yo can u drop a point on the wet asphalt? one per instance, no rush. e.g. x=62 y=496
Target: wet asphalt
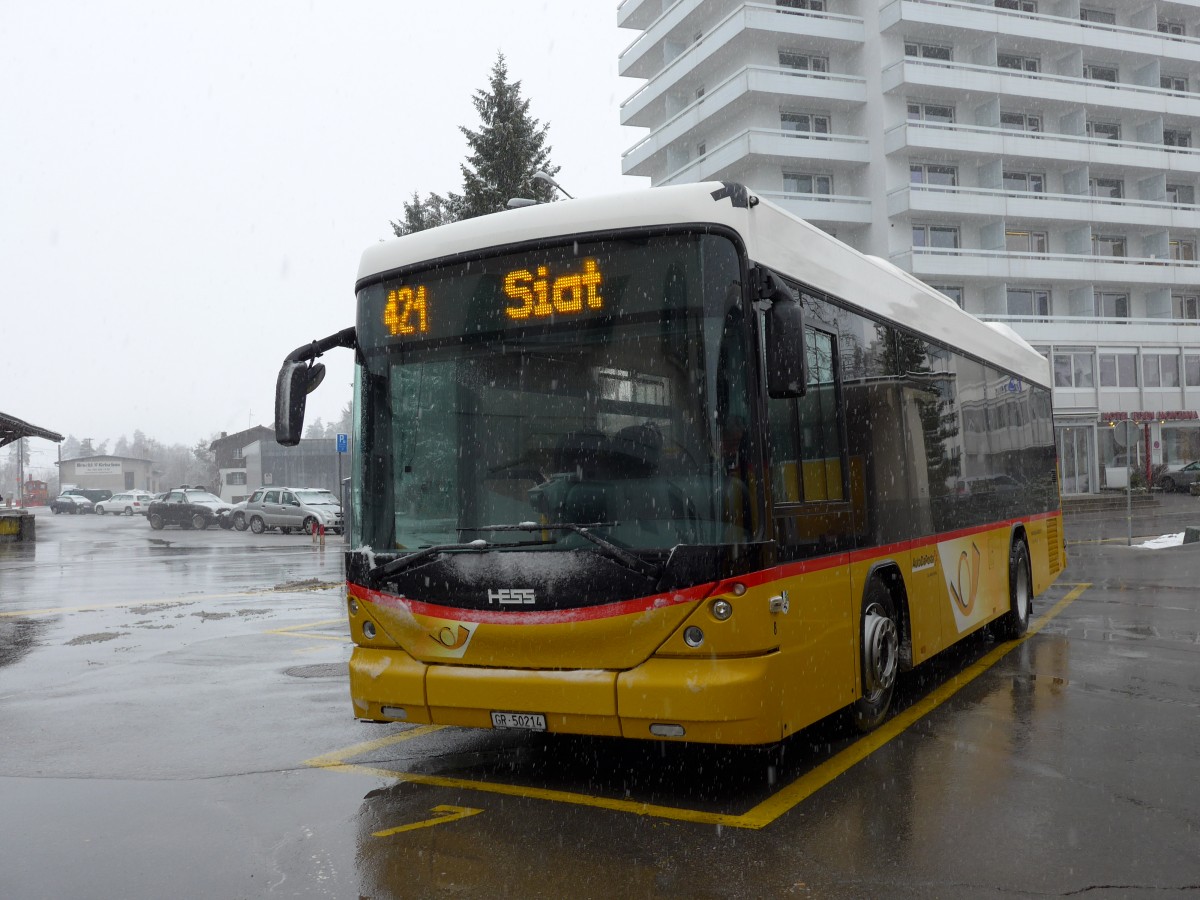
x=174 y=722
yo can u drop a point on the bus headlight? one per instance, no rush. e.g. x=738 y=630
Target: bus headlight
x=693 y=636
x=353 y=604
x=369 y=629
x=721 y=610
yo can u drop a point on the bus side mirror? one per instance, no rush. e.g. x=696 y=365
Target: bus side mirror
x=296 y=381
x=787 y=360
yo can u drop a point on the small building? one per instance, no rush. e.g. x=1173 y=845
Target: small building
x=229 y=453
x=113 y=473
x=312 y=463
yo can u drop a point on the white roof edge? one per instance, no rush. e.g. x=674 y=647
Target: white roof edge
x=773 y=237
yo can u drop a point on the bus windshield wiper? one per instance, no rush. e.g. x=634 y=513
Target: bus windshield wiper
x=376 y=575
x=611 y=550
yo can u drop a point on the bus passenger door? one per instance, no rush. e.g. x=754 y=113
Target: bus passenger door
x=814 y=525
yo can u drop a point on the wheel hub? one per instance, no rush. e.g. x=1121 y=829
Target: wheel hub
x=881 y=646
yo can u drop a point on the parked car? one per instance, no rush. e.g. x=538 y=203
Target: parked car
x=188 y=508
x=126 y=503
x=70 y=503
x=237 y=514
x=292 y=509
x=1180 y=476
x=94 y=494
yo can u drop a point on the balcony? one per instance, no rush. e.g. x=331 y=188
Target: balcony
x=751 y=84
x=734 y=38
x=823 y=209
x=1026 y=28
x=638 y=13
x=994 y=141
x=937 y=264
x=834 y=152
x=965 y=202
x=958 y=79
x=1084 y=330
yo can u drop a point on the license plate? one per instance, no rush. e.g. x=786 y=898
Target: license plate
x=528 y=721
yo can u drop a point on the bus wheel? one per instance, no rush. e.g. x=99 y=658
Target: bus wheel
x=880 y=638
x=1015 y=622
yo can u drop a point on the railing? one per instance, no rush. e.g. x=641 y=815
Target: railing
x=693 y=48
x=1090 y=320
x=1115 y=202
x=1041 y=77
x=997 y=131
x=770 y=132
x=744 y=72
x=1190 y=264
x=1123 y=30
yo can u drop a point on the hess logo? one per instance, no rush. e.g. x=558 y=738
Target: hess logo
x=512 y=596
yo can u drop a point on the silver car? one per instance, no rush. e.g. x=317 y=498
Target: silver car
x=291 y=509
x=1179 y=477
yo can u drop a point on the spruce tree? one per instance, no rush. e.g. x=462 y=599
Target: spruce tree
x=508 y=148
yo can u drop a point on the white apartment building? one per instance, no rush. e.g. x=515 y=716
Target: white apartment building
x=1036 y=160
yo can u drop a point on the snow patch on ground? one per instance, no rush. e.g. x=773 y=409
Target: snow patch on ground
x=1166 y=540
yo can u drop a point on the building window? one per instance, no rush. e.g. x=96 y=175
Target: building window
x=1105 y=131
x=1173 y=82
x=1166 y=26
x=1185 y=306
x=807 y=123
x=701 y=149
x=1112 y=305
x=1160 y=370
x=805 y=183
x=1100 y=16
x=929 y=173
x=699 y=92
x=1100 y=73
x=1016 y=61
x=803 y=62
x=928 y=51
x=953 y=291
x=1026 y=241
x=1191 y=368
x=1025 y=181
x=1176 y=137
x=1110 y=188
x=930 y=112
x=1025 y=6
x=1108 y=245
x=1118 y=369
x=940 y=236
x=1183 y=194
x=1074 y=370
x=1183 y=250
x=235 y=477
x=1028 y=302
x=1015 y=121
x=811 y=5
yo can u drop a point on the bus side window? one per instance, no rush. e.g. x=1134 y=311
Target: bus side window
x=806 y=445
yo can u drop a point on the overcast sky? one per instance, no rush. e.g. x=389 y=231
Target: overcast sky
x=186 y=188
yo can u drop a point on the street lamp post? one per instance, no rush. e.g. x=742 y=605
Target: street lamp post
x=1128 y=481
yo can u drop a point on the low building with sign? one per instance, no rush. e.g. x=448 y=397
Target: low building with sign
x=229 y=453
x=113 y=473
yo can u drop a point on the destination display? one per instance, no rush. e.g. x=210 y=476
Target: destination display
x=573 y=283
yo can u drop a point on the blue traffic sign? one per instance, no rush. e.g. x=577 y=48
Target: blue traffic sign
x=343 y=443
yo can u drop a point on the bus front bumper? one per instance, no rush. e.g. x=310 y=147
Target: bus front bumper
x=720 y=701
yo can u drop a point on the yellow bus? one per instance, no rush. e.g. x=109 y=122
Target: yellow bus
x=674 y=465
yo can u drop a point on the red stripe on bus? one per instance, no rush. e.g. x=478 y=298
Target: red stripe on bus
x=540 y=617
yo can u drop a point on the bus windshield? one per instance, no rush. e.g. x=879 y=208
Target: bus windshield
x=600 y=384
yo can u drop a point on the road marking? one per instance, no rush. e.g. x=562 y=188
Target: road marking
x=759 y=816
x=301 y=632
x=447 y=814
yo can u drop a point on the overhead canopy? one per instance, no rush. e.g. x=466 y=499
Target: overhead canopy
x=14 y=429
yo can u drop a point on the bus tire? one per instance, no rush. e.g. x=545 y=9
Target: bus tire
x=1015 y=622
x=879 y=646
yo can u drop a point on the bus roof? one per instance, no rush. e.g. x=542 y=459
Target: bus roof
x=773 y=237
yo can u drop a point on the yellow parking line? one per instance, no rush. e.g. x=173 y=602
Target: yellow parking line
x=759 y=816
x=301 y=631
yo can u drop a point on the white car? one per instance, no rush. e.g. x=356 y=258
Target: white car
x=126 y=503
